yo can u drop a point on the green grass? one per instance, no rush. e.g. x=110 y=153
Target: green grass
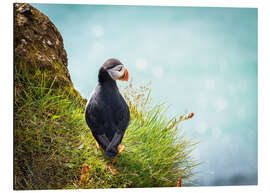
x=52 y=141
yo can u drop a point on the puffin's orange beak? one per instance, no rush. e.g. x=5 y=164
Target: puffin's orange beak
x=125 y=75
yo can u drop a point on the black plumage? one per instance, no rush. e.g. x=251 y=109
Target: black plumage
x=107 y=113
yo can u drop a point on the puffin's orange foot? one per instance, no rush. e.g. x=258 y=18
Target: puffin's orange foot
x=98 y=146
x=120 y=148
x=112 y=168
x=114 y=160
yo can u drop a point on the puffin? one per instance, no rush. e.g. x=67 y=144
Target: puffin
x=107 y=113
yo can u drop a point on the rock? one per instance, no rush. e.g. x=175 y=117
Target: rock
x=38 y=46
x=24 y=8
x=49 y=42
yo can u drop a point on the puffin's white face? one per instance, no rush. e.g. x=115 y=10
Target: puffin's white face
x=118 y=72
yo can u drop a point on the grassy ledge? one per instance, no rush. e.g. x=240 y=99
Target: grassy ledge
x=52 y=141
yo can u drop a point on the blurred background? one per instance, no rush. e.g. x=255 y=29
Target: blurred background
x=199 y=59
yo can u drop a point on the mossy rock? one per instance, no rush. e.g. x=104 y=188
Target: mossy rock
x=39 y=48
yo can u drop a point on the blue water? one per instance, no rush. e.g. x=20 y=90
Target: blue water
x=201 y=60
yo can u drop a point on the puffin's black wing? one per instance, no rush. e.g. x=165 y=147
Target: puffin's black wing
x=107 y=115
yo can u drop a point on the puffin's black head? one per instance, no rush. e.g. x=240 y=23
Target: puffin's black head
x=112 y=70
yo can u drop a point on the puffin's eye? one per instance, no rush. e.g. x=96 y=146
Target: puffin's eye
x=120 y=69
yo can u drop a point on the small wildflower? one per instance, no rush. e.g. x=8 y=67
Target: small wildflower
x=107 y=167
x=189 y=116
x=85 y=174
x=179 y=182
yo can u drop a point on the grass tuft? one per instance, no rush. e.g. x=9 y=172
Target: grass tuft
x=54 y=148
